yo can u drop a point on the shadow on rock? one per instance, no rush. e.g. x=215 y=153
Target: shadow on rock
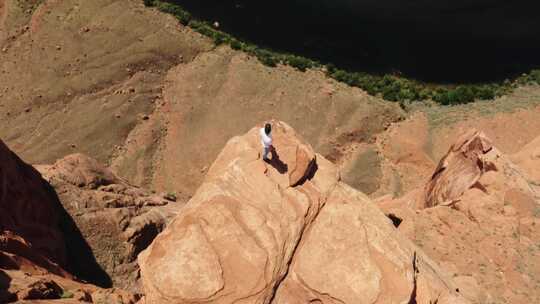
x=277 y=163
x=5 y=295
x=310 y=173
x=81 y=262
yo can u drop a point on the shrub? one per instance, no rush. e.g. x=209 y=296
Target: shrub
x=389 y=87
x=535 y=76
x=236 y=45
x=171 y=196
x=330 y=68
x=265 y=57
x=301 y=63
x=66 y=295
x=407 y=94
x=343 y=76
x=441 y=96
x=202 y=28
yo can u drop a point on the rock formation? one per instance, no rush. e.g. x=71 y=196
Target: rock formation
x=33 y=233
x=478 y=216
x=115 y=219
x=32 y=215
x=287 y=231
x=463 y=165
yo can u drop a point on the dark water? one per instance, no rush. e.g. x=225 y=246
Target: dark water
x=437 y=41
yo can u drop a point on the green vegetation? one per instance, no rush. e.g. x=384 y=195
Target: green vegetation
x=389 y=87
x=171 y=196
x=536 y=212
x=66 y=295
x=29 y=6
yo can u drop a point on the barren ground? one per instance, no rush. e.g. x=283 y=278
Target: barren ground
x=136 y=90
x=129 y=86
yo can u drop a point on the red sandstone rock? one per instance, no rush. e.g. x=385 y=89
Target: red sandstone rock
x=117 y=220
x=32 y=215
x=459 y=169
x=250 y=235
x=32 y=231
x=483 y=221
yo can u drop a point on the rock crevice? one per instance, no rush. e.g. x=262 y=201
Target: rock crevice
x=274 y=236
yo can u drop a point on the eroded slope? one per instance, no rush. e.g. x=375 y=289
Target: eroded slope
x=79 y=75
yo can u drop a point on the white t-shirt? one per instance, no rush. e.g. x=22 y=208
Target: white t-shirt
x=266 y=140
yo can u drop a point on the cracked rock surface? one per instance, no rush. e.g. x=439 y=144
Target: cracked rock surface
x=116 y=220
x=249 y=235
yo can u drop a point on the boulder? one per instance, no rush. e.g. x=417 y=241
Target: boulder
x=83 y=172
x=460 y=168
x=351 y=254
x=286 y=231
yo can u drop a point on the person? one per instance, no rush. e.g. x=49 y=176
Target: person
x=266 y=140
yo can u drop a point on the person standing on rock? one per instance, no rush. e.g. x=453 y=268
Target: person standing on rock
x=266 y=140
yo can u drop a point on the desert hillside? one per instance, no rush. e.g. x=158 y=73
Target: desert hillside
x=78 y=88
x=75 y=81
x=132 y=173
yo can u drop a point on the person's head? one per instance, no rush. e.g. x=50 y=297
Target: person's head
x=267 y=128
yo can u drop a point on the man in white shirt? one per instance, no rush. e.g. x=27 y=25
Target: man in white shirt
x=266 y=140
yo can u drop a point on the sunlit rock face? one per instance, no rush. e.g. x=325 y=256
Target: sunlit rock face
x=285 y=231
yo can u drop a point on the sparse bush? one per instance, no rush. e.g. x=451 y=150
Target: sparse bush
x=330 y=68
x=66 y=295
x=202 y=28
x=389 y=87
x=266 y=57
x=236 y=45
x=536 y=213
x=183 y=16
x=485 y=92
x=535 y=76
x=171 y=196
x=301 y=63
x=407 y=94
x=343 y=76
